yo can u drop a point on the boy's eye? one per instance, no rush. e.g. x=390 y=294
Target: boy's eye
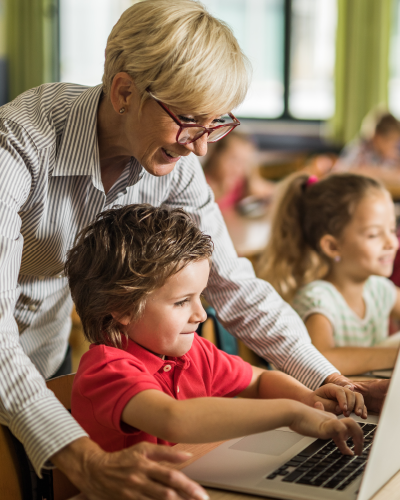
x=181 y=302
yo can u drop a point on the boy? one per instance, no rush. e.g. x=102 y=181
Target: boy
x=136 y=276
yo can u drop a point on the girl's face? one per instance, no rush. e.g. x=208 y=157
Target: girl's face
x=369 y=243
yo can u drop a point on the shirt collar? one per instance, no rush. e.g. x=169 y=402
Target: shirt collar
x=79 y=152
x=153 y=362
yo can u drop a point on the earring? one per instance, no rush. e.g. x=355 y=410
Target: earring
x=122 y=110
x=337 y=258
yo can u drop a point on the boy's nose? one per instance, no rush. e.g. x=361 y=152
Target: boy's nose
x=200 y=315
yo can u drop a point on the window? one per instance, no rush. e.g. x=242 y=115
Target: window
x=290 y=43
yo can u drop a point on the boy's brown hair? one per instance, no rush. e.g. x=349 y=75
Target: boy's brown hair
x=123 y=256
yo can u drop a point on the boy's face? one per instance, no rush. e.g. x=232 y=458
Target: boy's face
x=173 y=312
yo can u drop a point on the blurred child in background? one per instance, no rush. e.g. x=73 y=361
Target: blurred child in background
x=232 y=172
x=331 y=249
x=377 y=151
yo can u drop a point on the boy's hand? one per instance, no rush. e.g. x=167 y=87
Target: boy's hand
x=337 y=400
x=320 y=424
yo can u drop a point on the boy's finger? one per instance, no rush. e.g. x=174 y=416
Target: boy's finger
x=351 y=400
x=341 y=398
x=356 y=433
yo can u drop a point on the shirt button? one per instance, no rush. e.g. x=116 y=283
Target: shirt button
x=33 y=307
x=177 y=389
x=167 y=368
x=60 y=276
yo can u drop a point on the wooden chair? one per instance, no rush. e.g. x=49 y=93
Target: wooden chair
x=15 y=482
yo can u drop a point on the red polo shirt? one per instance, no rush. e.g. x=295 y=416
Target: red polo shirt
x=108 y=378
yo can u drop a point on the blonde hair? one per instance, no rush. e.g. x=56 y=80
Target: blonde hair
x=302 y=215
x=189 y=59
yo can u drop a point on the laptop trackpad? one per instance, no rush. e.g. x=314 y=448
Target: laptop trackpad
x=268 y=443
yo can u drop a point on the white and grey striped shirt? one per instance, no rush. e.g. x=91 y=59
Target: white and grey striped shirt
x=50 y=187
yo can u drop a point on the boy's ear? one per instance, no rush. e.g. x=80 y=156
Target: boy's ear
x=329 y=246
x=124 y=319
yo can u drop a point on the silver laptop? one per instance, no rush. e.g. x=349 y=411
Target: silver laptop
x=284 y=464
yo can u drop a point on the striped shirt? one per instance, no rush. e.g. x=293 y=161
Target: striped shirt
x=50 y=188
x=321 y=297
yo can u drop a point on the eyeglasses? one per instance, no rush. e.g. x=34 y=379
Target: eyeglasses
x=189 y=133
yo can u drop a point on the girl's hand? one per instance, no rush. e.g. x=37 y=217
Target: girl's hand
x=320 y=424
x=337 y=399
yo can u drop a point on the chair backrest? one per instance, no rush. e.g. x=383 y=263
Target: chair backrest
x=15 y=481
x=62 y=387
x=11 y=480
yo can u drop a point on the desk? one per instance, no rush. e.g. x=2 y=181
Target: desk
x=249 y=236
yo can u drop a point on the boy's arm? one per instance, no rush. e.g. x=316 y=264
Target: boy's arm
x=202 y=420
x=349 y=360
x=274 y=384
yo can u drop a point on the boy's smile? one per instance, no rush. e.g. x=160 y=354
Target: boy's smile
x=172 y=313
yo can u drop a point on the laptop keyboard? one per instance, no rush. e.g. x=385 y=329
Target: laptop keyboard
x=322 y=464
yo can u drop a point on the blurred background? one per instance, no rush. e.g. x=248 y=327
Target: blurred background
x=325 y=75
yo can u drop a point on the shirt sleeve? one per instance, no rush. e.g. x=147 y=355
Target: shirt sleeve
x=110 y=385
x=27 y=407
x=314 y=299
x=248 y=307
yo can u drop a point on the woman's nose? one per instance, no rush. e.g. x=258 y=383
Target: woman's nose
x=199 y=147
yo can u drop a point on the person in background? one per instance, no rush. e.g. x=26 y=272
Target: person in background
x=332 y=248
x=376 y=153
x=136 y=276
x=232 y=172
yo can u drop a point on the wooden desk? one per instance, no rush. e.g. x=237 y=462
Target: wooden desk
x=249 y=236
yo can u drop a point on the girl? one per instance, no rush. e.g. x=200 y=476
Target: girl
x=331 y=250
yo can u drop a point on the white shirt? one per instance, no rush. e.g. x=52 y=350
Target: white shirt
x=50 y=188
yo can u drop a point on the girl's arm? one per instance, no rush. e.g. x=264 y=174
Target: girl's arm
x=203 y=420
x=396 y=308
x=348 y=360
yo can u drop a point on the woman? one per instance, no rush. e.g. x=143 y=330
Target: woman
x=67 y=153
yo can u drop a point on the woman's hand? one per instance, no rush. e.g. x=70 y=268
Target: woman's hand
x=320 y=424
x=130 y=474
x=337 y=399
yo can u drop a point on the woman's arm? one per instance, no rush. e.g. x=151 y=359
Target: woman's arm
x=349 y=360
x=202 y=420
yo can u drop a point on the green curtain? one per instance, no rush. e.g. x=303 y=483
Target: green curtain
x=32 y=43
x=362 y=63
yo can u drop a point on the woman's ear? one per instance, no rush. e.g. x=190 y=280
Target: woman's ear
x=122 y=91
x=124 y=319
x=330 y=246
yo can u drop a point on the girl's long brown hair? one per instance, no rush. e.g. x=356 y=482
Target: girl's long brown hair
x=302 y=215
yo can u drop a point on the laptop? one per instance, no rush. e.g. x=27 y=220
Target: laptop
x=284 y=464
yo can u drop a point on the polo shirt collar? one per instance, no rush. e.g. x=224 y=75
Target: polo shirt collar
x=153 y=362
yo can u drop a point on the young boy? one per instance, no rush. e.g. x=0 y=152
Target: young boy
x=136 y=276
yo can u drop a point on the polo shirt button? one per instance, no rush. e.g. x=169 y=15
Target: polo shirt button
x=33 y=307
x=177 y=389
x=167 y=368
